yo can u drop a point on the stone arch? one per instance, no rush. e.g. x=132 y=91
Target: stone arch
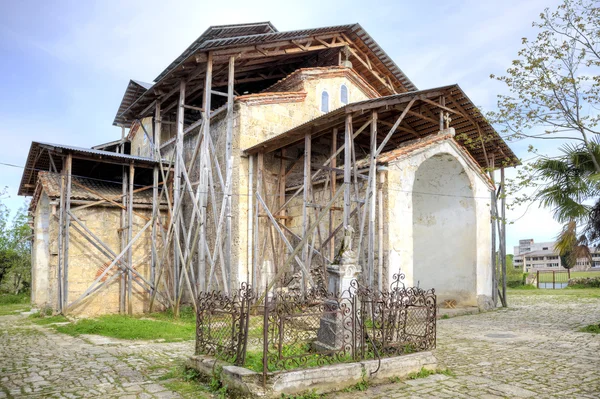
x=445 y=229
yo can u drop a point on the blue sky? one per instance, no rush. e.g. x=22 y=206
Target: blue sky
x=64 y=66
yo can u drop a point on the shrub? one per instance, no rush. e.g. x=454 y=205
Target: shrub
x=585 y=282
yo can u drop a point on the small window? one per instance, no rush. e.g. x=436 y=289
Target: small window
x=545 y=248
x=324 y=101
x=344 y=94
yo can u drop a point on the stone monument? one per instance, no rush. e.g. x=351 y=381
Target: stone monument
x=340 y=274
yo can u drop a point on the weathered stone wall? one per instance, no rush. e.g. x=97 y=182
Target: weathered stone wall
x=461 y=259
x=140 y=144
x=40 y=254
x=86 y=262
x=256 y=122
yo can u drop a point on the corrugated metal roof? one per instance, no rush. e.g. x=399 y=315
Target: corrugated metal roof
x=134 y=90
x=219 y=31
x=270 y=37
x=39 y=160
x=219 y=37
x=100 y=153
x=314 y=126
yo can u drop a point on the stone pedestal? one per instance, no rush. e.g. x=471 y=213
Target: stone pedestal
x=340 y=274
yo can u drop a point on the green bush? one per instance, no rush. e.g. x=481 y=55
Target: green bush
x=11 y=299
x=586 y=282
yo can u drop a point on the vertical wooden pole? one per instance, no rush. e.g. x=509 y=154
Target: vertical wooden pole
x=124 y=232
x=155 y=221
x=493 y=224
x=441 y=115
x=380 y=228
x=281 y=248
x=229 y=164
x=129 y=237
x=537 y=278
x=177 y=192
x=332 y=192
x=305 y=210
x=259 y=175
x=503 y=238
x=372 y=201
x=203 y=163
x=157 y=130
x=67 y=217
x=249 y=262
x=347 y=168
x=61 y=255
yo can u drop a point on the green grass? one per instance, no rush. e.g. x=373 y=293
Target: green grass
x=125 y=327
x=579 y=292
x=185 y=381
x=306 y=356
x=592 y=328
x=426 y=373
x=524 y=287
x=547 y=277
x=585 y=274
x=12 y=304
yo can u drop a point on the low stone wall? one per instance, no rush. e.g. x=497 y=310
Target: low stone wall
x=318 y=379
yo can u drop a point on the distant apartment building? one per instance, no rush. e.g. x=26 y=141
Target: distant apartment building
x=530 y=256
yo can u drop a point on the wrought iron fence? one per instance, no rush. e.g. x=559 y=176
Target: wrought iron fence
x=295 y=330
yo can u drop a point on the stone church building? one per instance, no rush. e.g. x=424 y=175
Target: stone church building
x=246 y=161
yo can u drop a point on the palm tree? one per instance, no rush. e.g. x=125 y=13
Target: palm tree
x=570 y=183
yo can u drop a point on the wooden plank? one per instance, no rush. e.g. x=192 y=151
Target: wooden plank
x=333 y=189
x=380 y=243
x=347 y=170
x=61 y=254
x=69 y=167
x=229 y=163
x=372 y=201
x=301 y=244
x=257 y=258
x=393 y=129
x=283 y=237
x=110 y=266
x=108 y=199
x=129 y=236
x=306 y=199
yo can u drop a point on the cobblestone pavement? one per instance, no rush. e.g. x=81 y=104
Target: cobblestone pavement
x=37 y=362
x=532 y=350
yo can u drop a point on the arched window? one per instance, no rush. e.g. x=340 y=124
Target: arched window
x=344 y=94
x=324 y=101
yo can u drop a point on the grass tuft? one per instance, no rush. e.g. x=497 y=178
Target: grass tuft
x=592 y=328
x=11 y=304
x=125 y=327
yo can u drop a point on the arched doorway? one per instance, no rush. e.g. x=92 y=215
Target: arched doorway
x=444 y=230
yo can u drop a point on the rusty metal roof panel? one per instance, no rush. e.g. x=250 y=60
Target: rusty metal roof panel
x=135 y=89
x=215 y=32
x=94 y=152
x=270 y=37
x=38 y=160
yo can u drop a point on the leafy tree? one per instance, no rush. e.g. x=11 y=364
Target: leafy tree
x=554 y=94
x=554 y=85
x=15 y=249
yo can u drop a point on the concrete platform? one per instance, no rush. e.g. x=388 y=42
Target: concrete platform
x=320 y=380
